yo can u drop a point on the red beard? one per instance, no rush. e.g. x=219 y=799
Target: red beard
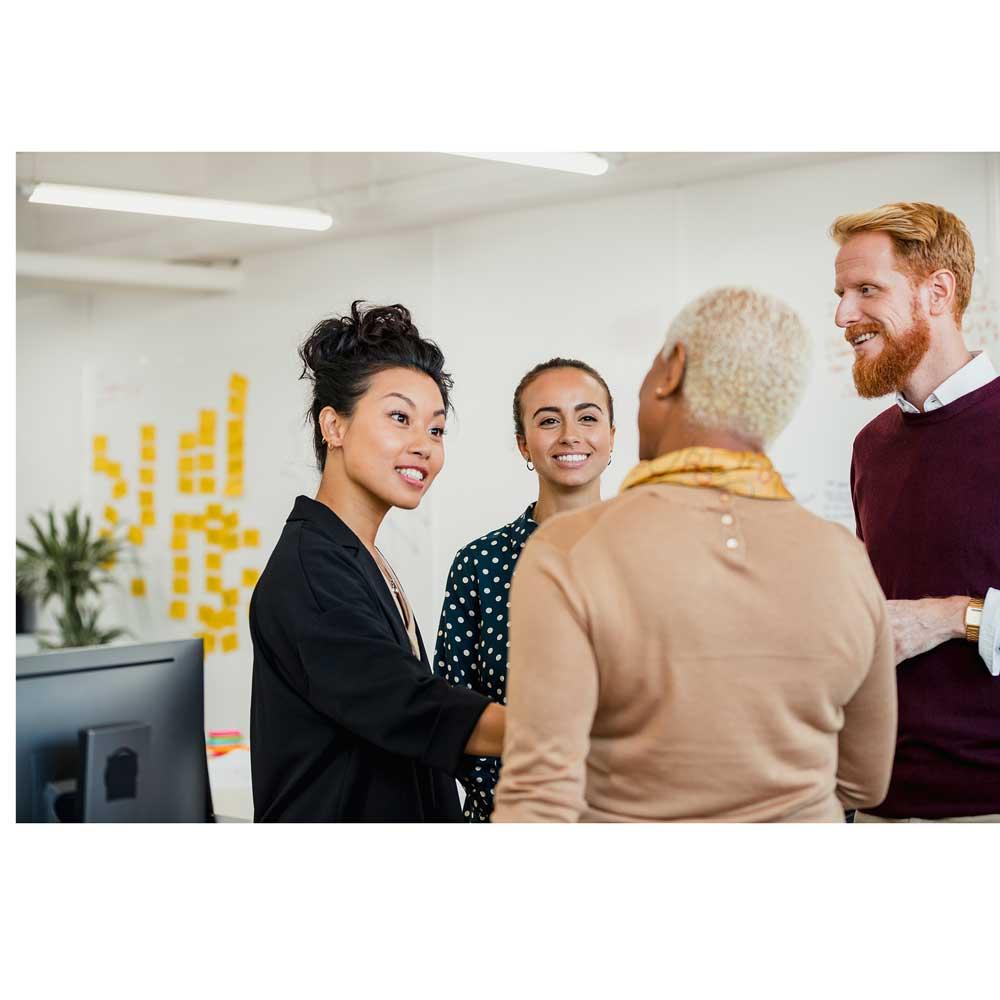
x=896 y=361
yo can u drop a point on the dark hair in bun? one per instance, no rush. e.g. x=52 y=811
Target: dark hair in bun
x=343 y=354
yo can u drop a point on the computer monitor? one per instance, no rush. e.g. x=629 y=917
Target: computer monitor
x=113 y=733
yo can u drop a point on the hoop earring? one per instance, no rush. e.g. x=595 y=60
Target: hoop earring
x=530 y=467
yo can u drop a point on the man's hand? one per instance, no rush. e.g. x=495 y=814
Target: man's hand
x=921 y=625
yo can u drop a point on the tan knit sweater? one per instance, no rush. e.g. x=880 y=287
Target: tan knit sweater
x=679 y=653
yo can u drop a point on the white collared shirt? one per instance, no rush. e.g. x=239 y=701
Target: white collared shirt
x=972 y=375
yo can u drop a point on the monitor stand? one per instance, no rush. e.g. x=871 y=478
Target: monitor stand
x=112 y=774
x=114 y=765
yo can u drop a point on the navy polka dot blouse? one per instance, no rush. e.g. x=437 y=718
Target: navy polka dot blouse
x=472 y=639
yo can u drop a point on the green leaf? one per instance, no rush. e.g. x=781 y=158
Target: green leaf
x=67 y=564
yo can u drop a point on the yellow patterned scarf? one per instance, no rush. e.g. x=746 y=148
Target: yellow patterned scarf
x=745 y=473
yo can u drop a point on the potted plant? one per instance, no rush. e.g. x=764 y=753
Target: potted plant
x=70 y=564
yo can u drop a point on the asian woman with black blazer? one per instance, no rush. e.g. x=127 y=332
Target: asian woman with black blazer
x=347 y=721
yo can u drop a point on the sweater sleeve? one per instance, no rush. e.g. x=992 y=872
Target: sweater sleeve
x=552 y=689
x=868 y=737
x=854 y=500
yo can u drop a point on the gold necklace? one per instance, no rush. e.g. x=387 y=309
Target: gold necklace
x=389 y=575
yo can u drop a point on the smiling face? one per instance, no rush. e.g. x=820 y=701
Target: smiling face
x=567 y=433
x=392 y=445
x=881 y=313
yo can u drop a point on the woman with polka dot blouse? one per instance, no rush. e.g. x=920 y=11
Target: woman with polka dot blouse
x=565 y=429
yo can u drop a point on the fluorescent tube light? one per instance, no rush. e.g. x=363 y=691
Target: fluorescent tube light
x=60 y=268
x=179 y=206
x=574 y=163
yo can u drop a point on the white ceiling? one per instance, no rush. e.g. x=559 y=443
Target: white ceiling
x=365 y=192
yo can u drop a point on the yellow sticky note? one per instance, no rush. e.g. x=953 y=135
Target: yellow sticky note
x=206 y=418
x=186 y=484
x=206 y=461
x=182 y=564
x=135 y=534
x=225 y=618
x=206 y=484
x=138 y=588
x=234 y=488
x=231 y=519
x=119 y=489
x=110 y=514
x=114 y=470
x=185 y=463
x=145 y=498
x=179 y=541
x=214 y=510
x=234 y=430
x=147 y=518
x=148 y=453
x=213 y=560
x=178 y=610
x=182 y=522
x=206 y=437
x=101 y=463
x=209 y=640
x=237 y=404
x=251 y=537
x=181 y=585
x=250 y=577
x=197 y=522
x=148 y=433
x=187 y=441
x=100 y=444
x=234 y=449
x=213 y=584
x=234 y=468
x=206 y=613
x=230 y=541
x=229 y=642
x=231 y=597
x=238 y=384
x=213 y=536
x=147 y=477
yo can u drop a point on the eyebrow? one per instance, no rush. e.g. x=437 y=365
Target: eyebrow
x=839 y=291
x=576 y=409
x=406 y=399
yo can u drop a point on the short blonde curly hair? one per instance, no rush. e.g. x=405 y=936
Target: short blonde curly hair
x=748 y=357
x=925 y=238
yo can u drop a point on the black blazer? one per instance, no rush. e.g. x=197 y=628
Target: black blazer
x=345 y=723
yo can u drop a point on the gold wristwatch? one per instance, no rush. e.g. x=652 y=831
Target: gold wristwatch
x=973 y=618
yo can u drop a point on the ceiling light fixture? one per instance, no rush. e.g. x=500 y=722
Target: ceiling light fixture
x=179 y=206
x=574 y=163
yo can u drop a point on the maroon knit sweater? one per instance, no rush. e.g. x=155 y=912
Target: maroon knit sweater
x=926 y=491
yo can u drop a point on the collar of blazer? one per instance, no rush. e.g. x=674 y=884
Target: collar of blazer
x=330 y=526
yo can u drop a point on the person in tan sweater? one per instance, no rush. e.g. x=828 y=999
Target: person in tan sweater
x=701 y=647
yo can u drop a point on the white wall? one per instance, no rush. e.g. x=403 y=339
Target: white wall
x=596 y=280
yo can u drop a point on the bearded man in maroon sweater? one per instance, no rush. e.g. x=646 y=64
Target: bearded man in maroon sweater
x=925 y=481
